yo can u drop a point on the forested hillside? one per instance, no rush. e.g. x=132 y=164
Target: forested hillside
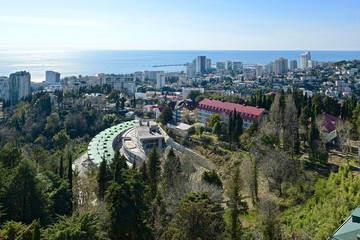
x=274 y=180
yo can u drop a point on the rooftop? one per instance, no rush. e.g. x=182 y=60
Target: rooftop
x=229 y=107
x=102 y=144
x=148 y=132
x=350 y=229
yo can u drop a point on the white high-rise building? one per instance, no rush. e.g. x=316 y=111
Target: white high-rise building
x=52 y=77
x=270 y=68
x=293 y=65
x=199 y=64
x=304 y=59
x=220 y=65
x=19 y=86
x=259 y=70
x=190 y=70
x=237 y=66
x=160 y=80
x=4 y=88
x=281 y=66
x=208 y=64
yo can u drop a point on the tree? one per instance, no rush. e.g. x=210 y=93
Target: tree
x=10 y=157
x=317 y=151
x=166 y=116
x=196 y=217
x=213 y=119
x=127 y=206
x=70 y=177
x=25 y=201
x=102 y=179
x=171 y=169
x=17 y=230
x=211 y=177
x=276 y=117
x=236 y=204
x=193 y=95
x=270 y=225
x=78 y=226
x=238 y=129
x=290 y=124
x=217 y=129
x=60 y=139
x=153 y=171
x=61 y=170
x=122 y=103
x=36 y=231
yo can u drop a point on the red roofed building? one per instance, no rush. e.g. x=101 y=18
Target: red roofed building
x=208 y=107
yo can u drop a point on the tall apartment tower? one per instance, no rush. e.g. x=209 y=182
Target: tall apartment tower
x=19 y=84
x=4 y=88
x=200 y=64
x=208 y=64
x=52 y=77
x=281 y=66
x=293 y=65
x=160 y=80
x=304 y=59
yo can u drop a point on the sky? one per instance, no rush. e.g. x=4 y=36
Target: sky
x=180 y=24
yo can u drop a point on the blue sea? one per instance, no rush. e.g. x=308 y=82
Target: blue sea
x=70 y=63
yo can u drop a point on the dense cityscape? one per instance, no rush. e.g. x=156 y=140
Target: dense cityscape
x=179 y=120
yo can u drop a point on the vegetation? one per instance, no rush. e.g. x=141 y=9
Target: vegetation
x=272 y=180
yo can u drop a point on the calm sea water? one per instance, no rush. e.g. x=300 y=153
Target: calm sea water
x=70 y=63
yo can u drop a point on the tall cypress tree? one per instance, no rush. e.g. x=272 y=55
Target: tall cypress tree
x=230 y=127
x=153 y=171
x=70 y=177
x=61 y=172
x=102 y=179
x=36 y=231
x=236 y=204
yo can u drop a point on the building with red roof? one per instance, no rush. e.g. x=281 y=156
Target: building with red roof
x=208 y=107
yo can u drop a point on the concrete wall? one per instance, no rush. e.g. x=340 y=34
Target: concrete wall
x=193 y=156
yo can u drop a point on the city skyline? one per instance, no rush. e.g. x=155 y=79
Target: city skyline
x=185 y=25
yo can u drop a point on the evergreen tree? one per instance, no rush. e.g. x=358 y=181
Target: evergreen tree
x=197 y=217
x=290 y=124
x=254 y=187
x=236 y=204
x=128 y=208
x=276 y=117
x=153 y=171
x=70 y=177
x=238 y=130
x=230 y=127
x=61 y=172
x=171 y=169
x=144 y=174
x=36 y=231
x=102 y=179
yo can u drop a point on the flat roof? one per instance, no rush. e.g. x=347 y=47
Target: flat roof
x=101 y=145
x=144 y=133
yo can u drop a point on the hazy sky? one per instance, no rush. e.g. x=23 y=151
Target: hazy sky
x=180 y=25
